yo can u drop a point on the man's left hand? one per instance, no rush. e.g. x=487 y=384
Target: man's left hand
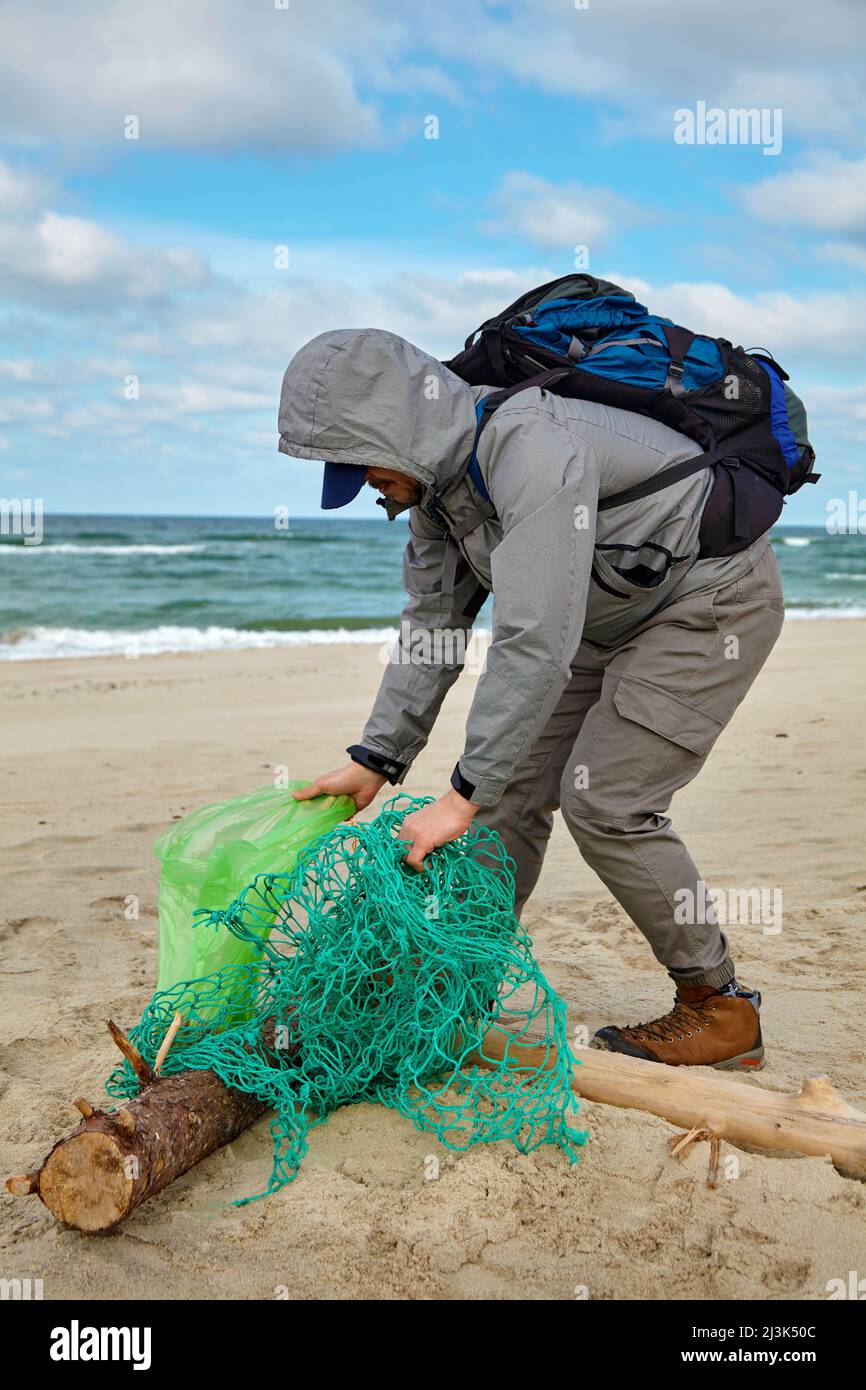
x=437 y=824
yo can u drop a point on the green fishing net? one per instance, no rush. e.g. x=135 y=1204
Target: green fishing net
x=378 y=983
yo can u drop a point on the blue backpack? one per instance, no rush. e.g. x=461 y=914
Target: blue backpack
x=588 y=338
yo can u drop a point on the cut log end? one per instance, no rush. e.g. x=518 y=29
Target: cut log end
x=85 y=1182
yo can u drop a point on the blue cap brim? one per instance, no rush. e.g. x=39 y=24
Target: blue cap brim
x=341 y=484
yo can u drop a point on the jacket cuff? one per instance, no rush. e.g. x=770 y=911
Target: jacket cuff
x=485 y=792
x=389 y=768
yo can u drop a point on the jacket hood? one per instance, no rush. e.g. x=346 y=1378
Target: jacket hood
x=368 y=397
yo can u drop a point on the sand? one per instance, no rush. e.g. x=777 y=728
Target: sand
x=101 y=754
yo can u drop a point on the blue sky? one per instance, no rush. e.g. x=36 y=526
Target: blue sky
x=260 y=126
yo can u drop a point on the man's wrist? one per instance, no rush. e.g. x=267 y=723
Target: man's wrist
x=461 y=804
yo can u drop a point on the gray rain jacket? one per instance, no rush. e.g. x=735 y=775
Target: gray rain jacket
x=559 y=572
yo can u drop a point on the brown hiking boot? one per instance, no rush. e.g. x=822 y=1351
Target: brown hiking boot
x=705 y=1028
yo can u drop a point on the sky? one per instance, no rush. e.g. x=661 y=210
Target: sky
x=190 y=190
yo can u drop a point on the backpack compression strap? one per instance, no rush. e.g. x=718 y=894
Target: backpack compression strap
x=666 y=476
x=725 y=453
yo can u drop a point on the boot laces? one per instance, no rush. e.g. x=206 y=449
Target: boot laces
x=683 y=1020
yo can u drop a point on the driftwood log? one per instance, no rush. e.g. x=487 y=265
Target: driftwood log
x=114 y=1161
x=712 y=1105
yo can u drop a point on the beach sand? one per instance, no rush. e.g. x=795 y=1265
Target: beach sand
x=101 y=754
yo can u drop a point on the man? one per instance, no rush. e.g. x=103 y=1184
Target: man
x=617 y=655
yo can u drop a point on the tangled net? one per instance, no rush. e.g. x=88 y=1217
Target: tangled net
x=378 y=983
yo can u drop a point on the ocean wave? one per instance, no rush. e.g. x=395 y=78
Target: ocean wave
x=69 y=548
x=47 y=643
x=845 y=574
x=43 y=643
x=795 y=613
x=794 y=540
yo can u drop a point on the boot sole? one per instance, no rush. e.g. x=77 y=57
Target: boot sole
x=745 y=1061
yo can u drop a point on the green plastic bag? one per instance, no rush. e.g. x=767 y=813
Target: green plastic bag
x=212 y=854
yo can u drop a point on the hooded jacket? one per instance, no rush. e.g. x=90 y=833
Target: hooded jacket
x=559 y=571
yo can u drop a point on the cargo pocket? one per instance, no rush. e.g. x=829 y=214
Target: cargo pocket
x=628 y=570
x=672 y=718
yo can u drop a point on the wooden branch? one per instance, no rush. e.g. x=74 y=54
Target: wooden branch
x=166 y=1043
x=814 y=1120
x=679 y=1144
x=23 y=1184
x=142 y=1069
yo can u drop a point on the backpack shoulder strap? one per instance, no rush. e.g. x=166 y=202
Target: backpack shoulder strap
x=485 y=408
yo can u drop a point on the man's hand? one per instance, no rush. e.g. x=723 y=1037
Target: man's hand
x=356 y=781
x=437 y=824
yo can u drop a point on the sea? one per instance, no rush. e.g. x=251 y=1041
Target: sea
x=135 y=585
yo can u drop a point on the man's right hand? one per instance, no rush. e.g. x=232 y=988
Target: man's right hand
x=353 y=780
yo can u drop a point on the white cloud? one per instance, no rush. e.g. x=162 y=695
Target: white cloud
x=57 y=259
x=646 y=59
x=18 y=369
x=220 y=75
x=809 y=323
x=843 y=252
x=21 y=190
x=18 y=409
x=557 y=217
x=841 y=402
x=827 y=194
x=841 y=406
x=203 y=74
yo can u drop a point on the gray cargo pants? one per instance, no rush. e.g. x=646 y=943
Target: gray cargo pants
x=635 y=724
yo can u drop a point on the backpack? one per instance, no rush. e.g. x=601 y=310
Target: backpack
x=588 y=338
